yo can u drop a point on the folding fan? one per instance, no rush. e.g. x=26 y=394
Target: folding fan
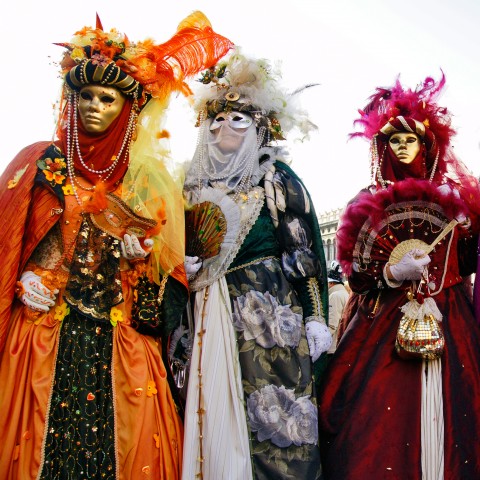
x=205 y=227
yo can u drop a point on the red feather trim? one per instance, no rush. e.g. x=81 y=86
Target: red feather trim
x=420 y=104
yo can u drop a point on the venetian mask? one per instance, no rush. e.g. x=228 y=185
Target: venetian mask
x=405 y=146
x=228 y=130
x=99 y=106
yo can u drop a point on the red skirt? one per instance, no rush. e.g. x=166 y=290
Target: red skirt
x=370 y=400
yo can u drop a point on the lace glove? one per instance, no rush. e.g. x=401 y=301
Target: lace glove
x=192 y=266
x=319 y=337
x=131 y=248
x=410 y=266
x=36 y=296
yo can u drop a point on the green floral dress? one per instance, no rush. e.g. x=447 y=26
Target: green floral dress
x=268 y=310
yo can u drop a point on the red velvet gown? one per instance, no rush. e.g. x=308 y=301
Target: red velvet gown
x=369 y=406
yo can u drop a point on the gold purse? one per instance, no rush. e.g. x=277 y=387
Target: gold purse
x=419 y=333
x=419 y=336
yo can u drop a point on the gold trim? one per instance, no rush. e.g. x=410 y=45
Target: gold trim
x=161 y=291
x=315 y=297
x=98 y=73
x=253 y=262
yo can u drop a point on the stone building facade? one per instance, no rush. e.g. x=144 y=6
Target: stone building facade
x=328 y=227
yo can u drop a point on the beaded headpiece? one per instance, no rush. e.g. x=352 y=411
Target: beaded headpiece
x=252 y=85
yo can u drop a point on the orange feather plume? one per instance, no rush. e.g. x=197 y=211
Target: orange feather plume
x=163 y=68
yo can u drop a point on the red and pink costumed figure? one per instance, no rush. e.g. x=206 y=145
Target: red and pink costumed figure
x=408 y=244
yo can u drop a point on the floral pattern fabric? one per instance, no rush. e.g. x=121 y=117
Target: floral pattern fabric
x=277 y=416
x=263 y=319
x=276 y=372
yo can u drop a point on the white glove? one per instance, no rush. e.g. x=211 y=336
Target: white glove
x=410 y=266
x=36 y=296
x=192 y=266
x=319 y=338
x=131 y=248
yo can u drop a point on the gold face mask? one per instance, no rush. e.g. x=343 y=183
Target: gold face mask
x=405 y=146
x=99 y=106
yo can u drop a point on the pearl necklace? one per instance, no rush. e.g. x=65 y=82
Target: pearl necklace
x=74 y=145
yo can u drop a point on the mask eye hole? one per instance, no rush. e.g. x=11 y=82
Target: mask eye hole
x=218 y=121
x=85 y=95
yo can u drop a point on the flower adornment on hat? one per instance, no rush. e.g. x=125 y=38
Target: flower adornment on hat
x=252 y=85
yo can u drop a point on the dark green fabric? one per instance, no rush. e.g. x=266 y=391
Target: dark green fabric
x=286 y=367
x=312 y=220
x=261 y=241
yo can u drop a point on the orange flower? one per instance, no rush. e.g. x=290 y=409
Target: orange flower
x=61 y=311
x=151 y=388
x=68 y=190
x=56 y=164
x=54 y=176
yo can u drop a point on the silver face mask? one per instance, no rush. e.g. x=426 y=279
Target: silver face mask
x=236 y=120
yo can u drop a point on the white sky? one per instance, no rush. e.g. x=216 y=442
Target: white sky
x=349 y=47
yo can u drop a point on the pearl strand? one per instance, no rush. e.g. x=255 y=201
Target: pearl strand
x=126 y=138
x=71 y=146
x=434 y=168
x=70 y=170
x=241 y=187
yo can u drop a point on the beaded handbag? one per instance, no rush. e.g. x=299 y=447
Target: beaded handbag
x=419 y=333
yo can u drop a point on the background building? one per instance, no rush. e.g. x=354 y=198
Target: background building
x=328 y=227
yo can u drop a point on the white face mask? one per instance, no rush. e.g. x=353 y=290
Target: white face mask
x=236 y=120
x=225 y=157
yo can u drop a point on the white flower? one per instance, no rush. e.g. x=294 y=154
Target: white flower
x=263 y=319
x=277 y=416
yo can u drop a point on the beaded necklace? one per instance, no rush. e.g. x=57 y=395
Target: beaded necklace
x=73 y=146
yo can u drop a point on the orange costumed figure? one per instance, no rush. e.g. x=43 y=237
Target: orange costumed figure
x=92 y=277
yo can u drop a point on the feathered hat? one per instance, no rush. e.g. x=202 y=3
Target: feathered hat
x=252 y=85
x=398 y=109
x=142 y=69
